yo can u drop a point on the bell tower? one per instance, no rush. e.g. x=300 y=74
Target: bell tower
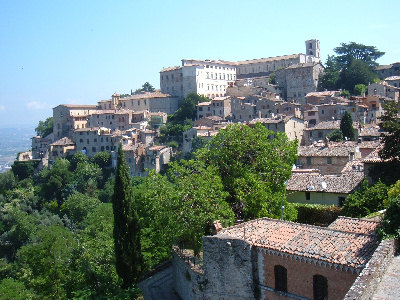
x=312 y=48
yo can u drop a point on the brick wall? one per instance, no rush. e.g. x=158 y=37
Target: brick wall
x=300 y=277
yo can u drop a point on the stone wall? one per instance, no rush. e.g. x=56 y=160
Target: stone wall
x=188 y=279
x=229 y=268
x=367 y=282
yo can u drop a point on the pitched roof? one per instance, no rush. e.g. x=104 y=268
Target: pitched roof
x=63 y=142
x=268 y=59
x=339 y=184
x=332 y=150
x=321 y=243
x=354 y=225
x=325 y=125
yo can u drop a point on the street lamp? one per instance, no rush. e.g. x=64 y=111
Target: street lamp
x=283 y=207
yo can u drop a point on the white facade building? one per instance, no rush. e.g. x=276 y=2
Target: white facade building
x=205 y=77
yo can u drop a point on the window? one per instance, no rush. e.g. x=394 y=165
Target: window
x=280 y=278
x=320 y=287
x=308 y=160
x=308 y=196
x=329 y=160
x=341 y=201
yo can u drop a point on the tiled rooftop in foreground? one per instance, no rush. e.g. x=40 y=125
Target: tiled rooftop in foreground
x=341 y=245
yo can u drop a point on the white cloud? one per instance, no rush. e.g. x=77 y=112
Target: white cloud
x=37 y=105
x=2 y=108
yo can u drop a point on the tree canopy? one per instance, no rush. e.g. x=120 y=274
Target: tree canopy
x=346 y=126
x=253 y=164
x=347 y=52
x=390 y=124
x=353 y=64
x=44 y=128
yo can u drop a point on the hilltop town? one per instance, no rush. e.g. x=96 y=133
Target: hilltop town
x=338 y=138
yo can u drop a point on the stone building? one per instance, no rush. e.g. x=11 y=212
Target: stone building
x=68 y=117
x=292 y=126
x=384 y=71
x=314 y=188
x=244 y=109
x=96 y=139
x=327 y=158
x=205 y=77
x=205 y=132
x=262 y=259
x=151 y=101
x=299 y=80
x=211 y=78
x=320 y=131
x=113 y=119
x=265 y=66
x=383 y=89
x=40 y=146
x=219 y=106
x=393 y=81
x=61 y=149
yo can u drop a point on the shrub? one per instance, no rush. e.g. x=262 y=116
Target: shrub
x=317 y=214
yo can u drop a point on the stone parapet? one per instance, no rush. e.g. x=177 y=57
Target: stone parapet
x=368 y=280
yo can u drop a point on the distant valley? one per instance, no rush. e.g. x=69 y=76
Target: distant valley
x=12 y=141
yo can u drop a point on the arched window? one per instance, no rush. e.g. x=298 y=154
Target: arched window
x=320 y=286
x=280 y=278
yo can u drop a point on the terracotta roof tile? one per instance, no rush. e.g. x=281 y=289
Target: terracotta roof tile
x=342 y=184
x=327 y=244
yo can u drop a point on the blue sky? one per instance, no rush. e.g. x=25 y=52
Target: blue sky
x=57 y=52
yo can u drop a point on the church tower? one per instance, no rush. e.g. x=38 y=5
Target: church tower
x=312 y=48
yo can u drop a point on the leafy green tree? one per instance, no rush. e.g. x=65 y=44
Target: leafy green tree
x=360 y=89
x=390 y=225
x=272 y=78
x=354 y=64
x=391 y=125
x=87 y=177
x=346 y=126
x=358 y=72
x=18 y=229
x=345 y=94
x=249 y=159
x=335 y=136
x=147 y=87
x=44 y=128
x=78 y=205
x=7 y=181
x=347 y=52
x=14 y=289
x=126 y=227
x=366 y=200
x=54 y=180
x=95 y=275
x=188 y=108
x=201 y=201
x=44 y=266
x=330 y=78
x=24 y=169
x=102 y=159
x=77 y=158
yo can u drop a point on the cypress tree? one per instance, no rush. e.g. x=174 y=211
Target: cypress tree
x=126 y=228
x=346 y=126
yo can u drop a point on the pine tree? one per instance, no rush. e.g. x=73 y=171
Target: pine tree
x=346 y=126
x=126 y=228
